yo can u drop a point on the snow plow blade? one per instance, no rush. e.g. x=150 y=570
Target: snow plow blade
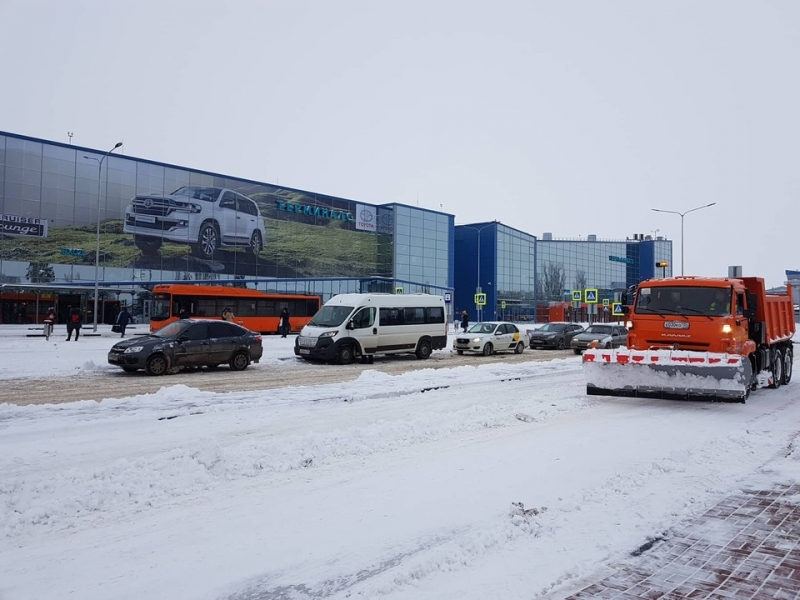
x=676 y=374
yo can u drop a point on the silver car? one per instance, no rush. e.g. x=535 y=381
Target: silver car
x=600 y=335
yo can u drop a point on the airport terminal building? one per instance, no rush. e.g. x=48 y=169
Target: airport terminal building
x=74 y=215
x=64 y=207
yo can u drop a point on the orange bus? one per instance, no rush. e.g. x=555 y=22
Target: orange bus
x=257 y=311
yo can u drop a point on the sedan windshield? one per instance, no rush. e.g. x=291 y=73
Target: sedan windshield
x=552 y=327
x=330 y=316
x=172 y=330
x=482 y=328
x=604 y=329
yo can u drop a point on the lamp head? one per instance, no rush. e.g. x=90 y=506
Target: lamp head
x=118 y=145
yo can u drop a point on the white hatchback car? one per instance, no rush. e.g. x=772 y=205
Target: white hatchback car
x=489 y=337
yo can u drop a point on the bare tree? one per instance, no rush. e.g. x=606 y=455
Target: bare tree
x=553 y=281
x=580 y=280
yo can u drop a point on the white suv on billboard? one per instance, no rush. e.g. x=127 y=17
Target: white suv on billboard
x=207 y=218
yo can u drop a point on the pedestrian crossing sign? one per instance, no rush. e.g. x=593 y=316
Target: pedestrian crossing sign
x=616 y=309
x=591 y=295
x=398 y=290
x=480 y=299
x=576 y=295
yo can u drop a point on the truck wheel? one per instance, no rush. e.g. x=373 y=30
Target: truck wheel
x=788 y=359
x=207 y=241
x=148 y=246
x=777 y=369
x=256 y=245
x=345 y=354
x=423 y=350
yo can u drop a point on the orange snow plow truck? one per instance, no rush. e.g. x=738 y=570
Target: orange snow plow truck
x=698 y=338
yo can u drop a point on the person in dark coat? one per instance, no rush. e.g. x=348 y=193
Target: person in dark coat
x=464 y=320
x=284 y=326
x=123 y=318
x=184 y=313
x=74 y=321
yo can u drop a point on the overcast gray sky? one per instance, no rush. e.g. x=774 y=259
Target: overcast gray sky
x=568 y=117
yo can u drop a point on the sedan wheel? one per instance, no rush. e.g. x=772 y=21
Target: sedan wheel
x=157 y=365
x=520 y=348
x=239 y=361
x=488 y=349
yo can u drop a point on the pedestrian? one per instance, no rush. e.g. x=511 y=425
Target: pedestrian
x=123 y=318
x=184 y=313
x=74 y=320
x=49 y=322
x=464 y=321
x=284 y=326
x=227 y=314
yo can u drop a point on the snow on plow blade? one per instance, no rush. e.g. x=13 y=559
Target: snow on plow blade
x=667 y=374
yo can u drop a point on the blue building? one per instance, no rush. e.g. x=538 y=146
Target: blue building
x=521 y=275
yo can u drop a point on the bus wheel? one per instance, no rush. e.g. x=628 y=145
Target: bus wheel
x=423 y=350
x=345 y=354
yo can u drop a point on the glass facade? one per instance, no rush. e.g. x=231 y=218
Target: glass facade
x=499 y=261
x=155 y=222
x=522 y=275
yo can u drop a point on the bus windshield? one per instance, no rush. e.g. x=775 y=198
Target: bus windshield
x=160 y=310
x=331 y=316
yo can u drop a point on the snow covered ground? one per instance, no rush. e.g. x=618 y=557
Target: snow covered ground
x=396 y=487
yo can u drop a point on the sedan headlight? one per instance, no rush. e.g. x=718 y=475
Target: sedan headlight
x=330 y=334
x=134 y=349
x=476 y=340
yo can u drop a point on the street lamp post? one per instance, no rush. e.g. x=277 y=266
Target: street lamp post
x=97 y=248
x=682 y=214
x=478 y=288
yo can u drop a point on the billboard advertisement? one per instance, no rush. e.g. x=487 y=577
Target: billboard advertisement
x=179 y=223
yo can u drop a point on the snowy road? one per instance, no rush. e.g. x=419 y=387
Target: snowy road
x=389 y=486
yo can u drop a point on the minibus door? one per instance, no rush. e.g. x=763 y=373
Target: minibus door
x=365 y=329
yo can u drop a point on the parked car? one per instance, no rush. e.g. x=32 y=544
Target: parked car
x=207 y=218
x=554 y=335
x=600 y=335
x=188 y=343
x=489 y=337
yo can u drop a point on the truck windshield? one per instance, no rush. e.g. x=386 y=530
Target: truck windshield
x=331 y=316
x=683 y=300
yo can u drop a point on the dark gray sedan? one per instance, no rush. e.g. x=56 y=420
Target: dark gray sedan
x=188 y=343
x=553 y=335
x=600 y=335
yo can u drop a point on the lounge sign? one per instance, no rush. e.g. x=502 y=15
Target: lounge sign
x=314 y=211
x=24 y=226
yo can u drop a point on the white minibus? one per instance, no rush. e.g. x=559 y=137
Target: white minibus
x=363 y=325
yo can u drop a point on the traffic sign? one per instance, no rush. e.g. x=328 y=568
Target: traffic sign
x=398 y=290
x=616 y=309
x=480 y=299
x=606 y=301
x=591 y=295
x=576 y=295
x=503 y=304
x=447 y=297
